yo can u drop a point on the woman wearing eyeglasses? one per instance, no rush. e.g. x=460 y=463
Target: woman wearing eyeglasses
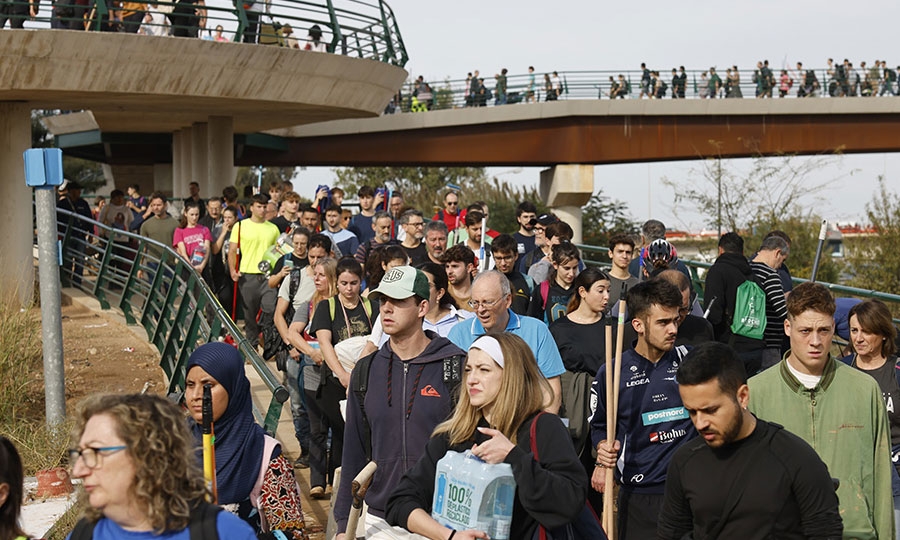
x=135 y=458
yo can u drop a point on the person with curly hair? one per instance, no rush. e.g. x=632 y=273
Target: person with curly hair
x=133 y=454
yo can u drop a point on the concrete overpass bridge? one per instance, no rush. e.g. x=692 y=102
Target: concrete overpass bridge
x=197 y=94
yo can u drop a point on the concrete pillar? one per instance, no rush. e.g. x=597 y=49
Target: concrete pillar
x=162 y=176
x=180 y=187
x=565 y=189
x=220 y=155
x=199 y=157
x=17 y=277
x=177 y=174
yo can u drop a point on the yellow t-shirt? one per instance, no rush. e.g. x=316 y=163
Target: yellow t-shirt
x=255 y=239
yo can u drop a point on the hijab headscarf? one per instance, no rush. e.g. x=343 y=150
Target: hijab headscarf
x=239 y=439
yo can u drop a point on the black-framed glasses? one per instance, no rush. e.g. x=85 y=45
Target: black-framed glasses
x=91 y=454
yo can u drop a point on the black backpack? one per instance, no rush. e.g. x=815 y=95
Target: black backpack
x=273 y=345
x=359 y=384
x=201 y=527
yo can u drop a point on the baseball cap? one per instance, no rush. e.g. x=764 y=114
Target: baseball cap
x=544 y=219
x=402 y=282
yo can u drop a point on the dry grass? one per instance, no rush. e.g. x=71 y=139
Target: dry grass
x=21 y=389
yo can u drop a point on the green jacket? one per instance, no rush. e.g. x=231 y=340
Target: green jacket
x=844 y=420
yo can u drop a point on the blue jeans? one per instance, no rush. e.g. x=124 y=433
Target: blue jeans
x=293 y=380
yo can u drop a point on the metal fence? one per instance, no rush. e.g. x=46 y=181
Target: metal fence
x=156 y=288
x=363 y=29
x=596 y=256
x=455 y=93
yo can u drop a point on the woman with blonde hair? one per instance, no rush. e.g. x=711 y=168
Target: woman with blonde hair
x=135 y=458
x=499 y=417
x=325 y=282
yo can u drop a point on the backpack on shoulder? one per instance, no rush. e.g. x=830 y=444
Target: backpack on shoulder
x=749 y=317
x=359 y=384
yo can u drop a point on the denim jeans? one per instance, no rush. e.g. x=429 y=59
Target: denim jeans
x=293 y=381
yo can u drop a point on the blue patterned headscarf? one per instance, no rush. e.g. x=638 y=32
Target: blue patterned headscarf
x=239 y=439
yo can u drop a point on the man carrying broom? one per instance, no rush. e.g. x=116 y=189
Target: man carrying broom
x=649 y=421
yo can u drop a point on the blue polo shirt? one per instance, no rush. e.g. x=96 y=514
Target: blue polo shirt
x=533 y=331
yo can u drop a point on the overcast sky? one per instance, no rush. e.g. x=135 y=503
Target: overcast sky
x=448 y=39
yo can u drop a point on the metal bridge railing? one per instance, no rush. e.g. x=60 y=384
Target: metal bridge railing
x=452 y=93
x=359 y=28
x=593 y=256
x=154 y=287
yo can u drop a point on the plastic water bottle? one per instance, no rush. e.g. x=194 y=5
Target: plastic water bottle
x=198 y=255
x=504 y=497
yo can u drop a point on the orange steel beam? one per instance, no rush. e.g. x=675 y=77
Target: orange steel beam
x=597 y=140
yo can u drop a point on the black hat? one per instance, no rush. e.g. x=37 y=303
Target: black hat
x=544 y=219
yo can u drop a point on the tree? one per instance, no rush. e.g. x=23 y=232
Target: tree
x=424 y=188
x=773 y=187
x=249 y=176
x=602 y=217
x=875 y=261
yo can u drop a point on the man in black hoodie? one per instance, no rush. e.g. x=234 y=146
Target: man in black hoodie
x=409 y=397
x=722 y=280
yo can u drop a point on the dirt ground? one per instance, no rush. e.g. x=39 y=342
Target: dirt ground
x=103 y=354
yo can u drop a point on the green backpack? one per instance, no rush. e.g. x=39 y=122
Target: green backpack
x=749 y=319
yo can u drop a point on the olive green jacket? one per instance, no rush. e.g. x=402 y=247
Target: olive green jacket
x=844 y=420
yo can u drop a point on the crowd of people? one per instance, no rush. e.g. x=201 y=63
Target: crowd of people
x=179 y=18
x=474 y=339
x=836 y=80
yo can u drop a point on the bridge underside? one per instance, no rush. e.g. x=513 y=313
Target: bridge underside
x=653 y=134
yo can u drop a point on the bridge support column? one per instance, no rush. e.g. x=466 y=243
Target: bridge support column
x=220 y=154
x=180 y=185
x=565 y=189
x=199 y=161
x=176 y=164
x=17 y=278
x=163 y=174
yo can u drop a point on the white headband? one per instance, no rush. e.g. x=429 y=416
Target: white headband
x=491 y=346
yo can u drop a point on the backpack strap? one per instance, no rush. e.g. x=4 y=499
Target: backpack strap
x=359 y=384
x=203 y=522
x=84 y=530
x=529 y=281
x=453 y=368
x=545 y=292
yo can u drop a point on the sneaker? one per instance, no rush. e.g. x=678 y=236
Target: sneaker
x=302 y=462
x=317 y=492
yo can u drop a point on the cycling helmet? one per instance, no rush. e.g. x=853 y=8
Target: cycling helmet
x=659 y=254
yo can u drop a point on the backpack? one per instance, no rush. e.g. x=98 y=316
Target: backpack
x=201 y=527
x=272 y=342
x=359 y=384
x=749 y=318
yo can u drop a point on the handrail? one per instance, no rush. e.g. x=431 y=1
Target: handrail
x=370 y=25
x=696 y=267
x=155 y=287
x=451 y=93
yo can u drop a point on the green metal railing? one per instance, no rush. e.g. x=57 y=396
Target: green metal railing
x=364 y=29
x=452 y=93
x=699 y=268
x=156 y=288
